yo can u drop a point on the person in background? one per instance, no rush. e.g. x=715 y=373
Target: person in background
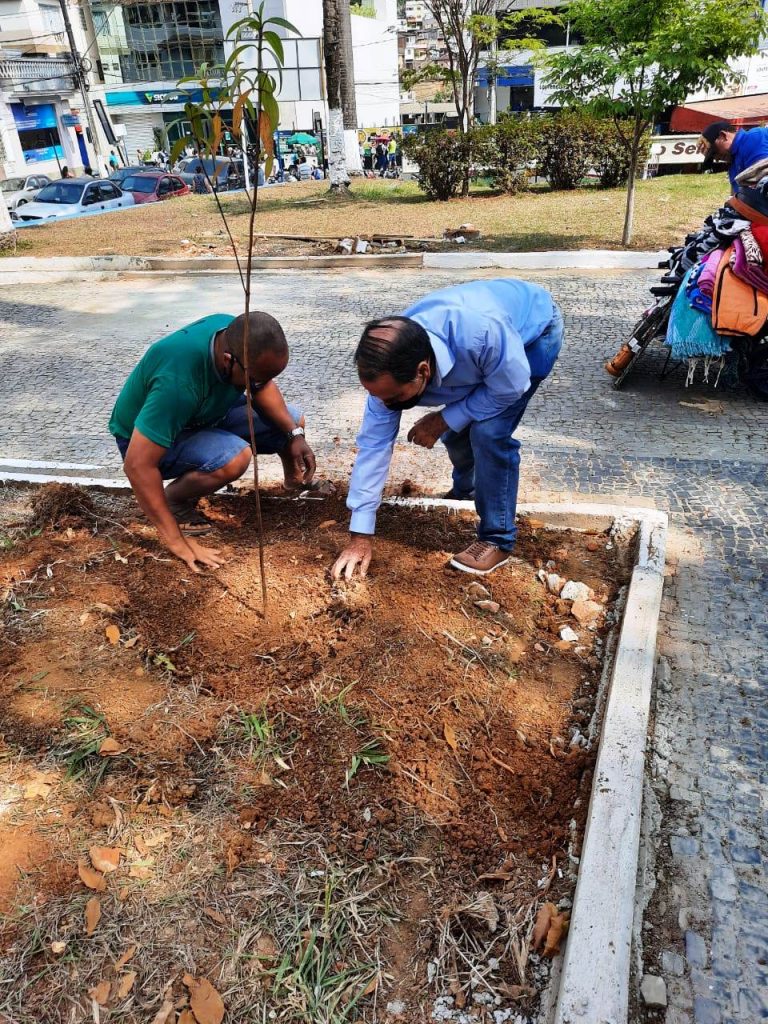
x=737 y=148
x=88 y=171
x=381 y=159
x=65 y=171
x=114 y=163
x=139 y=155
x=367 y=157
x=200 y=184
x=392 y=152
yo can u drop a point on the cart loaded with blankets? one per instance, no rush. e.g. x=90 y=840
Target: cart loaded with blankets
x=711 y=307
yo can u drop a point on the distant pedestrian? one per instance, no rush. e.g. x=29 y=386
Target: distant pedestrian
x=65 y=171
x=392 y=152
x=140 y=155
x=114 y=163
x=367 y=158
x=381 y=159
x=200 y=184
x=88 y=170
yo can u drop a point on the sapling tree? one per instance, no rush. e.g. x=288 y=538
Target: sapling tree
x=639 y=58
x=250 y=92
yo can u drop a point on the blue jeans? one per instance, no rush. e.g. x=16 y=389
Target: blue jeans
x=210 y=448
x=486 y=457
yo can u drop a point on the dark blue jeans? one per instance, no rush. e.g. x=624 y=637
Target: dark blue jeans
x=486 y=456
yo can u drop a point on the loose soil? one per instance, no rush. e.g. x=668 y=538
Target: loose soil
x=341 y=809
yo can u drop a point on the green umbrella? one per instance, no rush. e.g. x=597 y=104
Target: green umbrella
x=302 y=139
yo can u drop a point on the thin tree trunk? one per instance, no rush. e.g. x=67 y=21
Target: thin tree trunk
x=7 y=231
x=333 y=52
x=629 y=214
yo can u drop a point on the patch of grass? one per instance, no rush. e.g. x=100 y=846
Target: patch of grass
x=667 y=208
x=370 y=755
x=86 y=729
x=337 y=705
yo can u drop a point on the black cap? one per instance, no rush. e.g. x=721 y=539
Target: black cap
x=710 y=133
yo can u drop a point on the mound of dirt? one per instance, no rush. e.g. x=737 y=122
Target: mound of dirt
x=56 y=506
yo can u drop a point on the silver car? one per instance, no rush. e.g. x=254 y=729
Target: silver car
x=18 y=191
x=72 y=197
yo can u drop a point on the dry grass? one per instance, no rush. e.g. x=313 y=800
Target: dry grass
x=591 y=218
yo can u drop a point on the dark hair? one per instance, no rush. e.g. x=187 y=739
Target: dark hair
x=199 y=169
x=398 y=355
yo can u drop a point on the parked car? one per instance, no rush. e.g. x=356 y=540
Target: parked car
x=72 y=197
x=18 y=191
x=223 y=171
x=152 y=188
x=125 y=172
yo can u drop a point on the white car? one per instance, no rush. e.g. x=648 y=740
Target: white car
x=18 y=191
x=72 y=197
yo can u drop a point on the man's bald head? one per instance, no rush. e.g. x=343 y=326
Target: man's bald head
x=265 y=336
x=395 y=345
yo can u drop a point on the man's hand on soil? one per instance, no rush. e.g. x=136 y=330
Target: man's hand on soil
x=427 y=431
x=357 y=553
x=195 y=555
x=299 y=463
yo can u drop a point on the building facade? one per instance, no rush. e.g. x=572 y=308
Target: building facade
x=147 y=47
x=44 y=124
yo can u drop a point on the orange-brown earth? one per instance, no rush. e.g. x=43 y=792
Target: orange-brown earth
x=467 y=713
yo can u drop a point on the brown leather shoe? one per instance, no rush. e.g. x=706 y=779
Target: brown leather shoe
x=480 y=558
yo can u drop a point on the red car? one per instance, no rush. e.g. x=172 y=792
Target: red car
x=151 y=187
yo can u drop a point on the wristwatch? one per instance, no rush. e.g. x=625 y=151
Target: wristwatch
x=296 y=432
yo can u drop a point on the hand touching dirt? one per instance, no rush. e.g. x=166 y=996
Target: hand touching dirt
x=358 y=552
x=189 y=551
x=298 y=463
x=427 y=431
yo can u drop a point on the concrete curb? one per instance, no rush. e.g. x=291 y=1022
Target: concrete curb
x=586 y=259
x=594 y=983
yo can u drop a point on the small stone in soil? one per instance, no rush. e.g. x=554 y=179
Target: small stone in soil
x=488 y=606
x=573 y=591
x=654 y=992
x=567 y=634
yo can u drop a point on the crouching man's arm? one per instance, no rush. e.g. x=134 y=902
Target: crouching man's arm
x=142 y=467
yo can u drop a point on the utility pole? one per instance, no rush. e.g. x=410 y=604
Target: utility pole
x=79 y=75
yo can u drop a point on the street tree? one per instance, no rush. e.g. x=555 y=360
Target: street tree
x=639 y=58
x=7 y=231
x=336 y=52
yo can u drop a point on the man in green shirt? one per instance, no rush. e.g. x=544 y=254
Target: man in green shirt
x=181 y=416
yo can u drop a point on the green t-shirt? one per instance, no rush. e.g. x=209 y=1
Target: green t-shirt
x=174 y=386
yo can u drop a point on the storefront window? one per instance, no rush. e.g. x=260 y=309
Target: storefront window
x=38 y=132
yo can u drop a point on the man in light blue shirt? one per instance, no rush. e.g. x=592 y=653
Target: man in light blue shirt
x=479 y=350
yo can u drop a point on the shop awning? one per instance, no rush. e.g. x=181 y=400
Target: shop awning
x=744 y=111
x=513 y=76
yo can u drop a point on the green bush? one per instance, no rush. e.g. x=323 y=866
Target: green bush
x=444 y=159
x=566 y=148
x=611 y=157
x=510 y=151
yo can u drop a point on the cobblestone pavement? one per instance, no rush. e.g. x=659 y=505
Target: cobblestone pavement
x=65 y=349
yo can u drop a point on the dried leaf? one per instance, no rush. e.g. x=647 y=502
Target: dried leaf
x=37 y=790
x=207 y=1005
x=107 y=609
x=157 y=839
x=450 y=736
x=141 y=846
x=327 y=524
x=58 y=947
x=265 y=947
x=214 y=915
x=92 y=915
x=131 y=643
x=104 y=858
x=93 y=879
x=110 y=748
x=541 y=926
x=164 y=1012
x=127 y=955
x=84 y=618
x=372 y=985
x=558 y=926
x=142 y=871
x=112 y=634
x=186 y=1017
x=126 y=984
x=100 y=992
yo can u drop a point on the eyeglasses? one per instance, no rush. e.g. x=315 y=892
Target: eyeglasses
x=255 y=385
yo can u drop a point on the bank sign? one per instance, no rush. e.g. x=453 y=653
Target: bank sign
x=675 y=149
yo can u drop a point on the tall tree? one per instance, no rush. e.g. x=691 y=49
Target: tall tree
x=641 y=57
x=7 y=231
x=336 y=75
x=459 y=21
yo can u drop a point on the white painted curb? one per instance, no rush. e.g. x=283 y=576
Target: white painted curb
x=575 y=259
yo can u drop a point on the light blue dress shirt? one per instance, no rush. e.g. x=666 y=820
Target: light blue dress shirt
x=479 y=332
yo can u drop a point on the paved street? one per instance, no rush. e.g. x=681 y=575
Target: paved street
x=65 y=349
